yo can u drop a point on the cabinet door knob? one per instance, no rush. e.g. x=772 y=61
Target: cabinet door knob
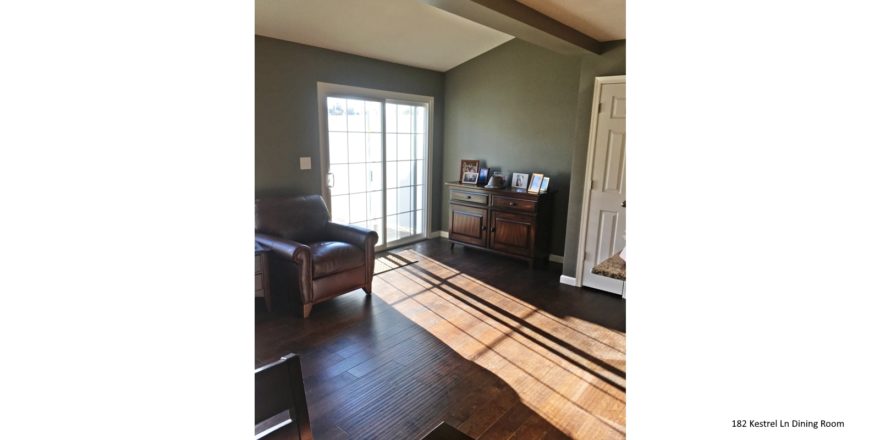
x=493 y=228
x=468 y=197
x=483 y=228
x=512 y=204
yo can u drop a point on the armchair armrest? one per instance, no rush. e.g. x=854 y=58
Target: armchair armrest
x=295 y=251
x=356 y=235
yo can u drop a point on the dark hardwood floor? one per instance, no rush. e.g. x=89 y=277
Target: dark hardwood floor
x=463 y=336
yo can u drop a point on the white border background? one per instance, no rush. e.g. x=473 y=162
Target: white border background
x=127 y=183
x=752 y=237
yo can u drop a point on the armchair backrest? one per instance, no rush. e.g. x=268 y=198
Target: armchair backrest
x=301 y=218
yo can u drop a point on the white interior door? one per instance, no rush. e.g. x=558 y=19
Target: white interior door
x=606 y=209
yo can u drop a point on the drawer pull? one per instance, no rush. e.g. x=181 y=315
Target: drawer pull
x=512 y=204
x=469 y=197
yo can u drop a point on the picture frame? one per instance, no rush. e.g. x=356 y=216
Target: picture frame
x=484 y=176
x=470 y=171
x=519 y=181
x=545 y=183
x=535 y=184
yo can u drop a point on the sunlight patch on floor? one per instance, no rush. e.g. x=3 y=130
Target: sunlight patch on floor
x=569 y=371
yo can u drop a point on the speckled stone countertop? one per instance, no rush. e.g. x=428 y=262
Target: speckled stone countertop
x=613 y=267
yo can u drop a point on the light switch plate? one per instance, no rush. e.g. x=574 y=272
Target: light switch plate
x=305 y=163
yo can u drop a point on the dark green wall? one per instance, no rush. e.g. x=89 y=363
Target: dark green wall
x=514 y=108
x=611 y=62
x=286 y=110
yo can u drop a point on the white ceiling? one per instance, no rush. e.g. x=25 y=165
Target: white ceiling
x=400 y=31
x=604 y=20
x=414 y=33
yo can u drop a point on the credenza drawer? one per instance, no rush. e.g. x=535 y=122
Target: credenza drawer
x=480 y=199
x=515 y=204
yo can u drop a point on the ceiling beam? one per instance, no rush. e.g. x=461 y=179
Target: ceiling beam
x=523 y=22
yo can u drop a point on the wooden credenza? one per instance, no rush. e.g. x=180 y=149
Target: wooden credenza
x=505 y=221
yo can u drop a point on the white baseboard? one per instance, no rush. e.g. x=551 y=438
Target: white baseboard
x=556 y=258
x=435 y=234
x=568 y=281
x=444 y=234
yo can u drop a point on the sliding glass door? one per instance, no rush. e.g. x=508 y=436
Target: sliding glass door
x=377 y=152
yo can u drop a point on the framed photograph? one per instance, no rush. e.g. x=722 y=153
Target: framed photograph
x=470 y=171
x=545 y=183
x=519 y=181
x=484 y=176
x=535 y=184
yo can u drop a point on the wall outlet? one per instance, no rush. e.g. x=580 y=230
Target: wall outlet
x=305 y=163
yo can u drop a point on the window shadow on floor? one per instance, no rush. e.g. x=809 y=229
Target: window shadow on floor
x=539 y=287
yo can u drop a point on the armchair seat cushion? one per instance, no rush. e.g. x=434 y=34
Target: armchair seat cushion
x=330 y=257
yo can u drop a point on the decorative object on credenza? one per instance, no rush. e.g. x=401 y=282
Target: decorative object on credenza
x=545 y=183
x=535 y=184
x=496 y=182
x=484 y=176
x=519 y=181
x=470 y=171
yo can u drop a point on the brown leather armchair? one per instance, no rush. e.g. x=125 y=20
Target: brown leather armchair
x=312 y=259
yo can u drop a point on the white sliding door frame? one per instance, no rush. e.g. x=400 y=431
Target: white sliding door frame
x=326 y=90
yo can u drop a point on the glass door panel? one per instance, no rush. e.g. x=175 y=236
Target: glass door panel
x=406 y=148
x=355 y=156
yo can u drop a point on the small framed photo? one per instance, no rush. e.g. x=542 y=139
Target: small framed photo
x=470 y=171
x=484 y=176
x=535 y=184
x=545 y=183
x=519 y=181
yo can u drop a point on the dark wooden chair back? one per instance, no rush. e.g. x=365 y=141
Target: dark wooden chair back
x=280 y=401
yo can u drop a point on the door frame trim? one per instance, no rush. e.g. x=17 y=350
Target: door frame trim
x=588 y=172
x=325 y=89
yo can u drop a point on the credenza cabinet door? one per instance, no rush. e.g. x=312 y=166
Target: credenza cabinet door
x=512 y=233
x=468 y=224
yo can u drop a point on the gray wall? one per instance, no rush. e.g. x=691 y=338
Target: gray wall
x=612 y=62
x=286 y=110
x=518 y=107
x=514 y=108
